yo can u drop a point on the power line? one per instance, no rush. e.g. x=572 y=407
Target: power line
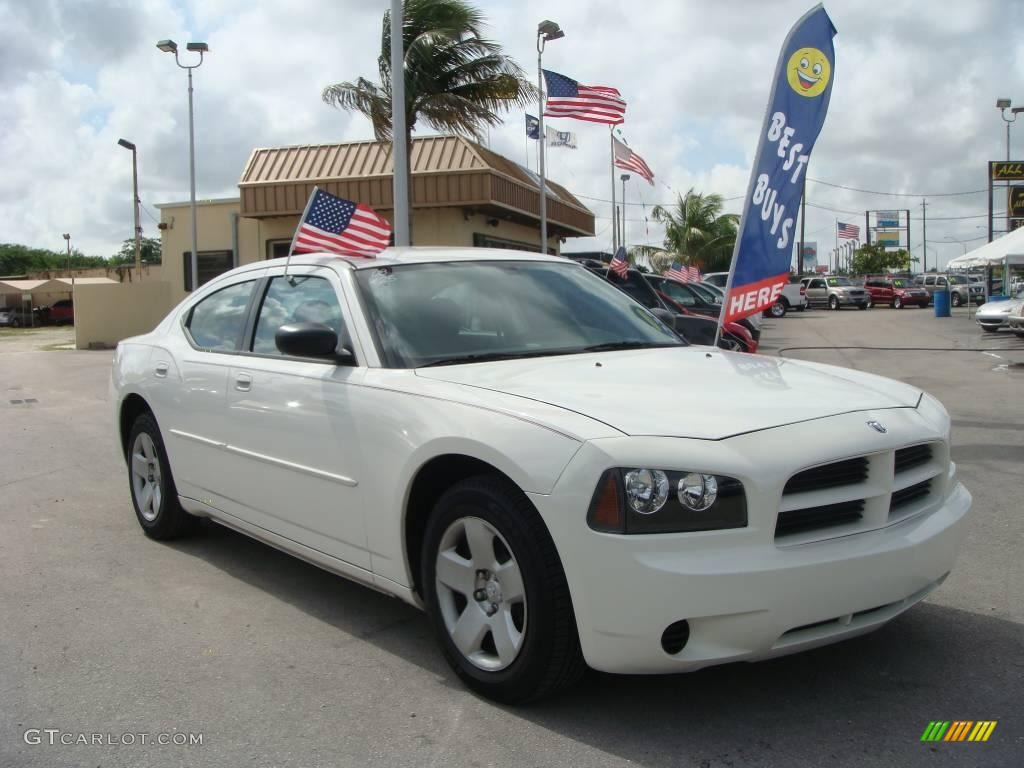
x=897 y=194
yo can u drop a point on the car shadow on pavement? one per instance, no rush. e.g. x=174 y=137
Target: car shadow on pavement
x=862 y=702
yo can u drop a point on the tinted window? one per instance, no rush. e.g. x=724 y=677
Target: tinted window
x=929 y=281
x=940 y=281
x=308 y=300
x=453 y=312
x=678 y=293
x=817 y=284
x=218 y=321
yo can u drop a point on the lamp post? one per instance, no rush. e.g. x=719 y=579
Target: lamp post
x=546 y=31
x=169 y=46
x=135 y=197
x=1002 y=105
x=399 y=148
x=67 y=239
x=624 y=178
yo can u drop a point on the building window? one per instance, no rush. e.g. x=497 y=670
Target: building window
x=211 y=264
x=480 y=240
x=278 y=249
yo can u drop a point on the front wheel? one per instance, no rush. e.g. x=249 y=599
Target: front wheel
x=897 y=303
x=956 y=300
x=778 y=309
x=833 y=302
x=153 y=493
x=870 y=303
x=863 y=306
x=497 y=595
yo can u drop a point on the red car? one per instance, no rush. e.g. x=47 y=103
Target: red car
x=745 y=337
x=896 y=292
x=61 y=312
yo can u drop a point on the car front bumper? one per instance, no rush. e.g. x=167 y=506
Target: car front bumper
x=744 y=596
x=991 y=321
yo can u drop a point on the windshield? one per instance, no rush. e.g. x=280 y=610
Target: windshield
x=900 y=284
x=461 y=312
x=956 y=280
x=839 y=281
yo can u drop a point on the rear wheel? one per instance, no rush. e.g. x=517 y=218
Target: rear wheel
x=870 y=303
x=153 y=492
x=778 y=309
x=497 y=595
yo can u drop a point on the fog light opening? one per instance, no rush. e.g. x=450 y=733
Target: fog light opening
x=675 y=637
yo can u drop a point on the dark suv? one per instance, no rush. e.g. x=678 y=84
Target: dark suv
x=895 y=292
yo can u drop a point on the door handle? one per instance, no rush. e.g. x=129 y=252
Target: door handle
x=161 y=370
x=243 y=382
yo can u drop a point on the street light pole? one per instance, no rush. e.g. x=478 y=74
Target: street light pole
x=67 y=239
x=546 y=30
x=135 y=197
x=399 y=135
x=169 y=46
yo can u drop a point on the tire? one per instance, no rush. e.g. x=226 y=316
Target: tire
x=778 y=309
x=863 y=306
x=16 y=323
x=541 y=647
x=833 y=303
x=801 y=308
x=897 y=303
x=1019 y=334
x=157 y=510
x=955 y=299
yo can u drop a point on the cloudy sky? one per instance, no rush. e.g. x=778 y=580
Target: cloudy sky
x=912 y=105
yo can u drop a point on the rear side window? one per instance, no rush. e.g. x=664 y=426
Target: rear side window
x=295 y=300
x=217 y=322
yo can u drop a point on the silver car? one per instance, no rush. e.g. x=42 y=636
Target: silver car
x=995 y=314
x=835 y=293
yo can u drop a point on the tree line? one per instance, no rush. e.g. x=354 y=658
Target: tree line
x=17 y=259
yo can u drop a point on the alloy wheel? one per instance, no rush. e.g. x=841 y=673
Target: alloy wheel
x=481 y=595
x=146 y=480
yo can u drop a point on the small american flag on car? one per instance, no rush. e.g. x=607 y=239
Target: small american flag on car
x=678 y=272
x=341 y=226
x=848 y=231
x=619 y=265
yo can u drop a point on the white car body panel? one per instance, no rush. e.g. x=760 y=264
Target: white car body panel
x=320 y=460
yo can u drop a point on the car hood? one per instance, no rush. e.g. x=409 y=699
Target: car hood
x=697 y=392
x=1000 y=307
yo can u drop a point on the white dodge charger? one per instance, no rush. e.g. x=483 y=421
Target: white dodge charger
x=519 y=448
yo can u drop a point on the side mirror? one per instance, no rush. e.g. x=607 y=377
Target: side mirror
x=311 y=340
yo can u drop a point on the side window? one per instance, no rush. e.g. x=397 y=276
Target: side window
x=941 y=281
x=681 y=295
x=817 y=284
x=929 y=280
x=217 y=322
x=308 y=300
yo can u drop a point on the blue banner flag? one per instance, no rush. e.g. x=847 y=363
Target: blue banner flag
x=532 y=127
x=796 y=111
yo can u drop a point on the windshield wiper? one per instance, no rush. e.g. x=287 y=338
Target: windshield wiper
x=485 y=357
x=614 y=345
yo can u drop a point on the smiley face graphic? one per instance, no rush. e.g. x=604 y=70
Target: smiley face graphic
x=808 y=72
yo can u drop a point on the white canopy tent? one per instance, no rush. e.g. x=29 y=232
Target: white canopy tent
x=1004 y=252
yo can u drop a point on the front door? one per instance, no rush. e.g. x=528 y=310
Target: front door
x=292 y=445
x=817 y=291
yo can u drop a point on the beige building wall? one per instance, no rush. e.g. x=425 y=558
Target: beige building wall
x=221 y=228
x=106 y=314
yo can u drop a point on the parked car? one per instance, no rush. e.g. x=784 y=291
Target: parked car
x=61 y=312
x=834 y=293
x=792 y=295
x=698 y=300
x=512 y=445
x=1015 y=320
x=895 y=292
x=959 y=286
x=995 y=314
x=753 y=322
x=20 y=317
x=694 y=328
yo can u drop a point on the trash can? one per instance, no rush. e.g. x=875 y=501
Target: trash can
x=941 y=299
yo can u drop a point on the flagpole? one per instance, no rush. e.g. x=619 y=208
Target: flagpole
x=615 y=217
x=540 y=149
x=302 y=218
x=399 y=148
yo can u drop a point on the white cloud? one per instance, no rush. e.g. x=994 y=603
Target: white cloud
x=912 y=107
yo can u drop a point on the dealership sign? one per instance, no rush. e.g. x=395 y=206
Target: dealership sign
x=1006 y=170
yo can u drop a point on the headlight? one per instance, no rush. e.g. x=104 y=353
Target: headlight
x=641 y=500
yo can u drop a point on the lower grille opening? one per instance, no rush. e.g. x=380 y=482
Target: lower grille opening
x=812 y=518
x=846 y=472
x=908 y=495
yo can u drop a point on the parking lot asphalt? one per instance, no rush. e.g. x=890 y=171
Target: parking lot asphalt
x=277 y=663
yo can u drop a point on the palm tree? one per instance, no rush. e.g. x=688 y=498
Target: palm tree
x=697 y=232
x=455 y=80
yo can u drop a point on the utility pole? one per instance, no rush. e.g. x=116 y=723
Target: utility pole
x=924 y=236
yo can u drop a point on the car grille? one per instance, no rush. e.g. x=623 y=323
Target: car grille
x=860 y=493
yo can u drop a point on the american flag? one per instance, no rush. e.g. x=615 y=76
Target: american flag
x=848 y=231
x=678 y=272
x=619 y=265
x=629 y=160
x=594 y=103
x=340 y=226
x=694 y=274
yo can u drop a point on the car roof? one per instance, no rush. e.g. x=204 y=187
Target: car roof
x=415 y=255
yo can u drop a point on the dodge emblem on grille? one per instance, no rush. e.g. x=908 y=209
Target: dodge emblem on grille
x=877 y=426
